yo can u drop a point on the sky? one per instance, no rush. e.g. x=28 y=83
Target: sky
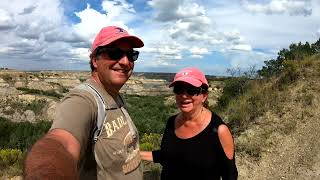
x=213 y=35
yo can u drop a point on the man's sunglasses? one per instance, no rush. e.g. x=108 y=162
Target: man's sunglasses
x=117 y=53
x=190 y=90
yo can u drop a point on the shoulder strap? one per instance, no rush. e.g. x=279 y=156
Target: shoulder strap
x=123 y=102
x=216 y=122
x=101 y=109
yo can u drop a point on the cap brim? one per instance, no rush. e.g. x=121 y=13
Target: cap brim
x=189 y=80
x=133 y=40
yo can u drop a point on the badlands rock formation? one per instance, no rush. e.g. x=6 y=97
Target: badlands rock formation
x=24 y=95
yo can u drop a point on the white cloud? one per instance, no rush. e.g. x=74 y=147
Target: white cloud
x=167 y=9
x=268 y=32
x=247 y=59
x=91 y=21
x=291 y=7
x=39 y=33
x=187 y=22
x=6 y=20
x=185 y=18
x=165 y=51
x=81 y=53
x=36 y=33
x=198 y=52
x=118 y=9
x=241 y=47
x=118 y=13
x=233 y=35
x=5 y=49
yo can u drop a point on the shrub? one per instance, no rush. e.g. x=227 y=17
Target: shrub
x=149 y=142
x=21 y=135
x=8 y=112
x=243 y=110
x=9 y=79
x=290 y=73
x=36 y=105
x=233 y=88
x=9 y=157
x=82 y=79
x=51 y=93
x=152 y=172
x=149 y=113
x=252 y=148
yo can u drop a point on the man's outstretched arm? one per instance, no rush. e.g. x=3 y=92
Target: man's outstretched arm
x=55 y=156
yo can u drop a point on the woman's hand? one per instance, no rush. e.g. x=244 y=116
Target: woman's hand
x=146 y=155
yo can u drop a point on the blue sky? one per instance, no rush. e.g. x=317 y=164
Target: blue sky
x=213 y=35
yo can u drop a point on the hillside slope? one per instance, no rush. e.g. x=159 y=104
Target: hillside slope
x=286 y=136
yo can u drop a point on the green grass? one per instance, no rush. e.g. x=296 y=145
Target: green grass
x=149 y=113
x=21 y=135
x=15 y=139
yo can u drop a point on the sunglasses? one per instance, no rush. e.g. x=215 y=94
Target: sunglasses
x=117 y=53
x=190 y=90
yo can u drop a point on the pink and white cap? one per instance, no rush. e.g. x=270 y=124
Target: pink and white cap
x=192 y=76
x=110 y=34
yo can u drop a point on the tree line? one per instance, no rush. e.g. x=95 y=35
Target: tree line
x=295 y=52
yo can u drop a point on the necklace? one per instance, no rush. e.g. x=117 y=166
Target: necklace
x=190 y=119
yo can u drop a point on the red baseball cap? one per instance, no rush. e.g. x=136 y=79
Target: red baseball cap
x=191 y=76
x=110 y=34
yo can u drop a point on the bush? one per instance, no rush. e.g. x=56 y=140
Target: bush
x=9 y=79
x=21 y=135
x=296 y=52
x=243 y=110
x=233 y=88
x=290 y=73
x=82 y=79
x=152 y=172
x=51 y=93
x=149 y=142
x=36 y=106
x=149 y=113
x=252 y=148
x=10 y=157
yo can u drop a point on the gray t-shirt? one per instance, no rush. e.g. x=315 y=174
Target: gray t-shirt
x=115 y=155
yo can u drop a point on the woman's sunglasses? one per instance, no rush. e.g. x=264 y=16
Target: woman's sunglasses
x=117 y=53
x=190 y=90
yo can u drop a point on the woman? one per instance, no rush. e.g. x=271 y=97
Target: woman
x=196 y=143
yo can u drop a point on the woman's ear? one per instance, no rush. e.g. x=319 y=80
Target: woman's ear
x=205 y=97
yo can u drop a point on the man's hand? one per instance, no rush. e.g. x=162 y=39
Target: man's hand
x=55 y=156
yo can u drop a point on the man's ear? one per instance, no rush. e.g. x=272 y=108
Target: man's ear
x=94 y=62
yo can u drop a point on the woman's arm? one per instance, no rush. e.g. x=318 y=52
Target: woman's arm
x=226 y=141
x=154 y=156
x=146 y=155
x=230 y=171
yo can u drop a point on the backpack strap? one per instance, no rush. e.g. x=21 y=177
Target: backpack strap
x=101 y=109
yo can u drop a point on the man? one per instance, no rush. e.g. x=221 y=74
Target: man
x=67 y=150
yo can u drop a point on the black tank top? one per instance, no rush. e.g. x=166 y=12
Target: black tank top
x=199 y=157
